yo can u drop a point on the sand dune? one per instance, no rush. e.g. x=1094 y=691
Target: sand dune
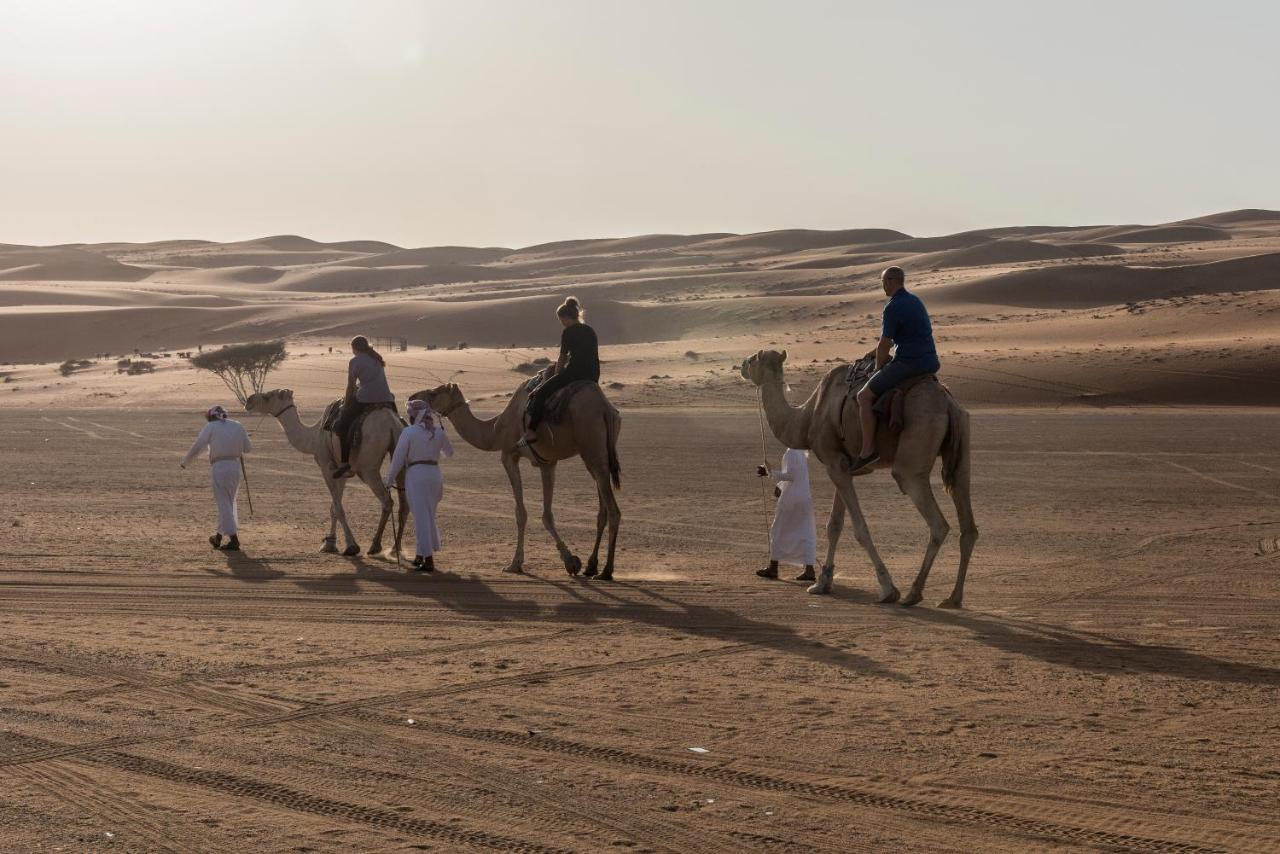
x=1098 y=285
x=799 y=239
x=1010 y=251
x=431 y=256
x=65 y=264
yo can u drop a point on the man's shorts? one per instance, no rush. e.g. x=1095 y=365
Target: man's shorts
x=897 y=371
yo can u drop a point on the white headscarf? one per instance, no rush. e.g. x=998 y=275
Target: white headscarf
x=421 y=415
x=215 y=413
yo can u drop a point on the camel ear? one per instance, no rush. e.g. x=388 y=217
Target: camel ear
x=784 y=356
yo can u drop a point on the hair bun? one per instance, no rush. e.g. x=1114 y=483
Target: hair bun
x=572 y=301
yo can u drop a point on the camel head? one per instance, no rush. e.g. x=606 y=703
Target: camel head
x=443 y=398
x=764 y=366
x=269 y=402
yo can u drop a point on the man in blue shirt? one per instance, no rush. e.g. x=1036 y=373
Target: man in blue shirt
x=905 y=323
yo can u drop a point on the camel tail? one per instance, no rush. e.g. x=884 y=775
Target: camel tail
x=955 y=447
x=612 y=426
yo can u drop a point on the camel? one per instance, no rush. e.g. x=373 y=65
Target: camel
x=381 y=432
x=589 y=429
x=934 y=425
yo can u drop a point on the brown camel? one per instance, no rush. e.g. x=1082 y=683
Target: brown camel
x=381 y=431
x=589 y=429
x=934 y=425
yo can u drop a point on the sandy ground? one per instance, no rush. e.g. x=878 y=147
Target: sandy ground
x=1111 y=683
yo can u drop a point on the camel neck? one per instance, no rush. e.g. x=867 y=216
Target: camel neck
x=789 y=424
x=483 y=434
x=302 y=437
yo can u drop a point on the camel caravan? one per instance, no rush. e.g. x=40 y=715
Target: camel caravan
x=887 y=410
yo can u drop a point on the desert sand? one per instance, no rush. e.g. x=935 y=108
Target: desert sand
x=1110 y=684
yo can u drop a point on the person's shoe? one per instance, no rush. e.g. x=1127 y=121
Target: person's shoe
x=770 y=571
x=807 y=575
x=215 y=540
x=417 y=561
x=428 y=564
x=233 y=544
x=861 y=464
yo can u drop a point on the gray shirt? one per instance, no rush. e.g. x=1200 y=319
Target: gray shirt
x=371 y=379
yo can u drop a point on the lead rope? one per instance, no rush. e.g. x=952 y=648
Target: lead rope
x=764 y=459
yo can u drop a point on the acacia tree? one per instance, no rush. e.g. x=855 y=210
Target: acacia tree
x=243 y=367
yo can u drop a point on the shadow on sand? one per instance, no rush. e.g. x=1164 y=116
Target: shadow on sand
x=537 y=599
x=1088 y=651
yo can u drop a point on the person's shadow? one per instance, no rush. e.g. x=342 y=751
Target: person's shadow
x=244 y=567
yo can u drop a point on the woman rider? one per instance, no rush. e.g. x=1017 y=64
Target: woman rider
x=579 y=360
x=366 y=385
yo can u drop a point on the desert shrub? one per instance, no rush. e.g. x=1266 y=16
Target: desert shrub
x=141 y=366
x=243 y=367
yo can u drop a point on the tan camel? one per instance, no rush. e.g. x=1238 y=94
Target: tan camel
x=589 y=429
x=934 y=425
x=381 y=431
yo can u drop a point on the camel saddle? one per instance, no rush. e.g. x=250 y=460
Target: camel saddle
x=558 y=406
x=890 y=406
x=333 y=412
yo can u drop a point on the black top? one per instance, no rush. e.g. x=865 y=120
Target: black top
x=580 y=351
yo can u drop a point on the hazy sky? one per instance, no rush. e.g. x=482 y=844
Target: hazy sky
x=509 y=123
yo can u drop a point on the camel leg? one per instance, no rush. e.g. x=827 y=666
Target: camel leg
x=849 y=496
x=968 y=535
x=336 y=488
x=602 y=519
x=609 y=515
x=835 y=525
x=615 y=521
x=917 y=488
x=511 y=462
x=373 y=480
x=331 y=541
x=572 y=563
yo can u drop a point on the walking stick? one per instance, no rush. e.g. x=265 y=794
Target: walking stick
x=764 y=458
x=247 y=494
x=397 y=544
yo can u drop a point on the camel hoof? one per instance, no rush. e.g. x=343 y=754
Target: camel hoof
x=329 y=549
x=889 y=598
x=820 y=589
x=607 y=575
x=574 y=565
x=912 y=598
x=514 y=569
x=351 y=551
x=375 y=549
x=950 y=604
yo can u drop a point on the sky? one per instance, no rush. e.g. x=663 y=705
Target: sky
x=511 y=123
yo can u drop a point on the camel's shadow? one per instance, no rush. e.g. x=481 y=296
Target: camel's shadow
x=1091 y=652
x=591 y=603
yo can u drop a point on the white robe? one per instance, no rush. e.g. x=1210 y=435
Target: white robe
x=226 y=441
x=423 y=485
x=793 y=537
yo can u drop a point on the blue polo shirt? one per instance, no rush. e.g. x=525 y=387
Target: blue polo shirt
x=906 y=322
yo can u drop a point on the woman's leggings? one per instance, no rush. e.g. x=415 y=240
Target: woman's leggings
x=538 y=400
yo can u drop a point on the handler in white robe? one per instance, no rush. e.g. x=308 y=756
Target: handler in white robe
x=226 y=441
x=418 y=454
x=793 y=537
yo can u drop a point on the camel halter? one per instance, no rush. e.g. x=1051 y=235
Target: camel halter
x=283 y=411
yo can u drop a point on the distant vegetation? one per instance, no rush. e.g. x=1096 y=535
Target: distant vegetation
x=243 y=367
